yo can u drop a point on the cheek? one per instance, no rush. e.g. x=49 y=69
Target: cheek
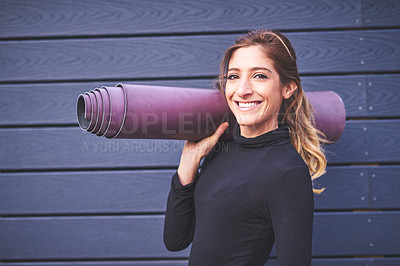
x=228 y=87
x=273 y=99
x=274 y=93
x=228 y=93
x=275 y=103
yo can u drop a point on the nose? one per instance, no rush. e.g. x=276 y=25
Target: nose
x=244 y=88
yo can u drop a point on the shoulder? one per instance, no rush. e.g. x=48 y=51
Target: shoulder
x=286 y=160
x=293 y=180
x=287 y=171
x=292 y=188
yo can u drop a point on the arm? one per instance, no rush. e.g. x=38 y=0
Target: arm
x=291 y=206
x=179 y=221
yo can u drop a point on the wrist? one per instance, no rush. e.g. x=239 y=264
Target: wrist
x=187 y=169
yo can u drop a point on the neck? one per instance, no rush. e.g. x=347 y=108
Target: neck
x=253 y=131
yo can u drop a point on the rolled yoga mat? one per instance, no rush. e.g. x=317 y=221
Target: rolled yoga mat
x=159 y=112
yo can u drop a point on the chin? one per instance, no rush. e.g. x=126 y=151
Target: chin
x=244 y=120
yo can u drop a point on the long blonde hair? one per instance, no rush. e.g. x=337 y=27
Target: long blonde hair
x=296 y=111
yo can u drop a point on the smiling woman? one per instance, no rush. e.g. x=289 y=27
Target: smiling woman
x=272 y=52
x=254 y=91
x=259 y=190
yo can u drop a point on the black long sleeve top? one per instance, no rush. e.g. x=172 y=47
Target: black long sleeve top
x=250 y=193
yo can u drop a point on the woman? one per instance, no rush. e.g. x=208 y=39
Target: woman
x=258 y=190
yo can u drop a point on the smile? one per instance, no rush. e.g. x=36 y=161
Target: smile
x=247 y=105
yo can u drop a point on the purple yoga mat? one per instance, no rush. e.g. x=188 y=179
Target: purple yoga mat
x=159 y=112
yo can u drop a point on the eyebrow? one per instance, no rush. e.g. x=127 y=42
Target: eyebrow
x=252 y=69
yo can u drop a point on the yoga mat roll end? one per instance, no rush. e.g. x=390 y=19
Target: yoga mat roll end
x=82 y=116
x=329 y=114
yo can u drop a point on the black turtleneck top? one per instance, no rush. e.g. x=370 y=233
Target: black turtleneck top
x=250 y=193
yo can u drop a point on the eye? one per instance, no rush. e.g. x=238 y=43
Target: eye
x=260 y=76
x=233 y=76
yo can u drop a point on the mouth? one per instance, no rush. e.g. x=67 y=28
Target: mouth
x=244 y=106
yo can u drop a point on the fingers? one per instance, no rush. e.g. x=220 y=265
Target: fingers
x=223 y=127
x=203 y=147
x=210 y=142
x=219 y=132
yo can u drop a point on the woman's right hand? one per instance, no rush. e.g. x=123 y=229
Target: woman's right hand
x=193 y=152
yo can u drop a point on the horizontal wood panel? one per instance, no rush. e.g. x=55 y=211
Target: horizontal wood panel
x=72 y=148
x=83 y=237
x=85 y=192
x=383 y=95
x=367 y=141
x=349 y=87
x=349 y=262
x=55 y=104
x=384 y=187
x=183 y=56
x=345 y=188
x=72 y=18
x=271 y=262
x=386 y=262
x=381 y=13
x=108 y=263
x=354 y=51
x=102 y=237
x=352 y=147
x=145 y=191
x=356 y=233
x=382 y=137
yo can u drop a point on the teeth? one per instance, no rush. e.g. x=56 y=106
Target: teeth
x=246 y=105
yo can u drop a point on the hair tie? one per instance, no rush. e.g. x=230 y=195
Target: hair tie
x=280 y=39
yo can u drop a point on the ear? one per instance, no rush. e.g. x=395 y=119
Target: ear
x=289 y=89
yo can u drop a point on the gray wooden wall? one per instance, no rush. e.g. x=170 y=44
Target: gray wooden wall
x=68 y=197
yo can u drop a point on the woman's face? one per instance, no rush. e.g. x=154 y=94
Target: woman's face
x=254 y=92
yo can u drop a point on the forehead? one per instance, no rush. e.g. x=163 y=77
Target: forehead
x=250 y=57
